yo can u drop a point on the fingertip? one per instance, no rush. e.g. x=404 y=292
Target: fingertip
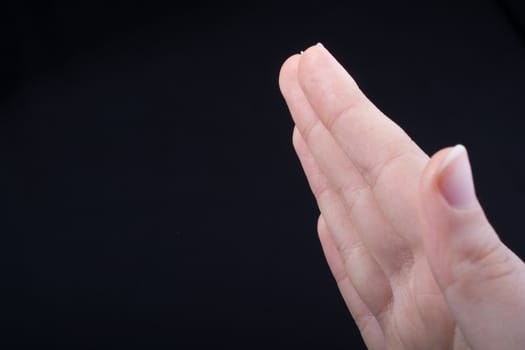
x=291 y=64
x=322 y=228
x=295 y=136
x=318 y=57
x=455 y=179
x=298 y=143
x=448 y=176
x=312 y=58
x=430 y=178
x=295 y=132
x=288 y=71
x=452 y=154
x=313 y=49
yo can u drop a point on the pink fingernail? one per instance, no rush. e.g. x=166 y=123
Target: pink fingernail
x=456 y=183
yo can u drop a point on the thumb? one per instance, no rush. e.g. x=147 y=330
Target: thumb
x=482 y=280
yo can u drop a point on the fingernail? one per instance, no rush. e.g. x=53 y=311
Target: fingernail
x=456 y=182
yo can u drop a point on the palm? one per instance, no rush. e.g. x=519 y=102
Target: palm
x=364 y=172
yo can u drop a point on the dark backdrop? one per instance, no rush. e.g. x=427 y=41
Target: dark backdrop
x=152 y=194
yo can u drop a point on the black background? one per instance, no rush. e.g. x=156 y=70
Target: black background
x=152 y=194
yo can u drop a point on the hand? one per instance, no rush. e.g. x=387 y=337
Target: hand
x=416 y=261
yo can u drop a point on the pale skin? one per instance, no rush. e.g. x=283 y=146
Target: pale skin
x=414 y=257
